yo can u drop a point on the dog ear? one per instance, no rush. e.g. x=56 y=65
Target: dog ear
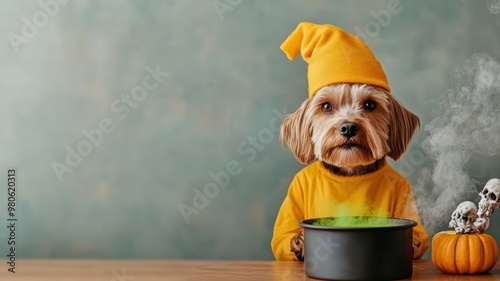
x=295 y=132
x=402 y=126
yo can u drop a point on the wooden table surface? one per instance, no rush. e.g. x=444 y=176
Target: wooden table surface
x=138 y=270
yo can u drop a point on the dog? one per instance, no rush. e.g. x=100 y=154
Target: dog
x=350 y=129
x=350 y=123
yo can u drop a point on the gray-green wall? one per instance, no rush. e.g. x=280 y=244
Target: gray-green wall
x=227 y=83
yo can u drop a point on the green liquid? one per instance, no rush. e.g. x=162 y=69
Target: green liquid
x=354 y=222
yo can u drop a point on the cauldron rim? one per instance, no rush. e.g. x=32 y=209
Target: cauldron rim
x=400 y=224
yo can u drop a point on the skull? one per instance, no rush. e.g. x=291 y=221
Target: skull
x=481 y=224
x=490 y=197
x=462 y=219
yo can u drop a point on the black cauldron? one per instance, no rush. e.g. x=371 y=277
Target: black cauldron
x=375 y=252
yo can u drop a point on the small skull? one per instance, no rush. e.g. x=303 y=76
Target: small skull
x=481 y=224
x=463 y=218
x=490 y=198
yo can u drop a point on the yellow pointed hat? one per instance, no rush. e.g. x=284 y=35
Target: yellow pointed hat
x=333 y=56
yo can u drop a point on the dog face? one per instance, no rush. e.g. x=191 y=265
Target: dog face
x=349 y=125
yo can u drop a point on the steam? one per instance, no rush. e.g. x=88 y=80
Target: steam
x=493 y=6
x=347 y=215
x=361 y=222
x=468 y=122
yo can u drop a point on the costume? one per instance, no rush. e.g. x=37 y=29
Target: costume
x=316 y=192
x=333 y=56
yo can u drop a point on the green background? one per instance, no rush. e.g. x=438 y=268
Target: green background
x=227 y=79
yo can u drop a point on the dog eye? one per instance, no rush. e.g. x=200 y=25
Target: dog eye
x=327 y=108
x=370 y=105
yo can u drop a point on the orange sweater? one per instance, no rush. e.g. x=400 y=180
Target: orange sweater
x=315 y=192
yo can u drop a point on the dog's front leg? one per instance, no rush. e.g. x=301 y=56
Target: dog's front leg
x=297 y=245
x=416 y=246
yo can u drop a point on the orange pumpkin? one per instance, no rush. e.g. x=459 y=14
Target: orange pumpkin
x=455 y=253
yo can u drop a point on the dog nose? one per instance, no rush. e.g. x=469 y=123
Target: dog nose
x=348 y=129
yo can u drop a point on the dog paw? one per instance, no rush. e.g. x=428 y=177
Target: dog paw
x=416 y=247
x=297 y=245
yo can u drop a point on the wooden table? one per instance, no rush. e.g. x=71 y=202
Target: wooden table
x=145 y=270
